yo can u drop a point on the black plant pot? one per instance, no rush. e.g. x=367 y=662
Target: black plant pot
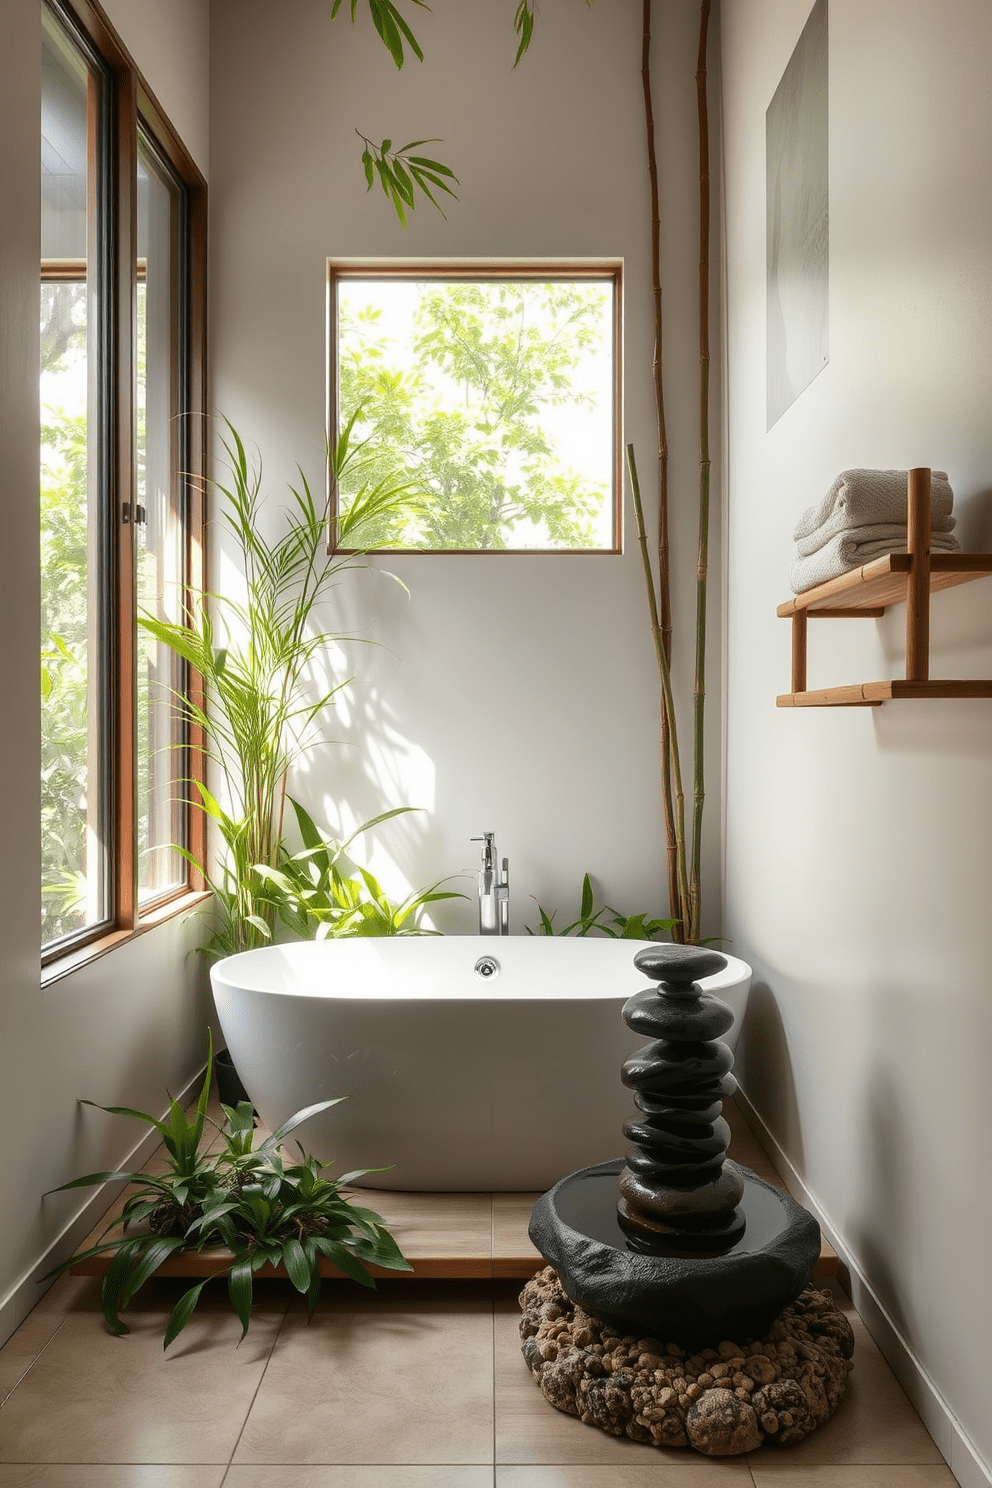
x=230 y=1090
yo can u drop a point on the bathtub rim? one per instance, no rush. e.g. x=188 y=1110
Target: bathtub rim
x=229 y=972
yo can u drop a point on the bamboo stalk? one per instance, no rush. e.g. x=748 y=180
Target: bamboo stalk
x=680 y=900
x=702 y=561
x=663 y=593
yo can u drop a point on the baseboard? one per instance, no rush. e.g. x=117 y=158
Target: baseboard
x=956 y=1447
x=27 y=1292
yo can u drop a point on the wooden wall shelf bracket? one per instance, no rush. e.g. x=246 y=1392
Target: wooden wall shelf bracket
x=865 y=593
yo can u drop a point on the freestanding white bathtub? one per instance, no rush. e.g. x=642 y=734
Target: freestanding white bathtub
x=455 y=1079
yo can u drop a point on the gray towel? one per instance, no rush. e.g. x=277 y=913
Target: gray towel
x=861 y=498
x=890 y=532
x=842 y=553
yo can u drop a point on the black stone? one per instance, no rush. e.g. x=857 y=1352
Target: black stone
x=703 y=1141
x=679 y=964
x=690 y=1199
x=651 y=1236
x=691 y=1300
x=671 y=1119
x=680 y=1018
x=688 y=1098
x=672 y=1165
x=663 y=1066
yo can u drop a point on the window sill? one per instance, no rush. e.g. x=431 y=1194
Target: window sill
x=72 y=961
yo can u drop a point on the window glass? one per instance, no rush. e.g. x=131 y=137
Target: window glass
x=494 y=395
x=74 y=599
x=122 y=387
x=159 y=528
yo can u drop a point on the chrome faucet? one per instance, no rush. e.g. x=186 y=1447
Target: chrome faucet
x=494 y=889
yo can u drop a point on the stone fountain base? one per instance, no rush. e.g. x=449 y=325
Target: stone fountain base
x=721 y=1401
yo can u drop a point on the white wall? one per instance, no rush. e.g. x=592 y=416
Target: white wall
x=134 y=1021
x=858 y=840
x=512 y=694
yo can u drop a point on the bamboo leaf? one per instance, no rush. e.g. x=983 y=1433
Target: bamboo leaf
x=401 y=24
x=434 y=166
x=382 y=20
x=523 y=25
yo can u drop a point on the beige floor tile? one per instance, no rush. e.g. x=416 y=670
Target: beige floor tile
x=358 y=1477
x=98 y=1398
x=70 y=1294
x=874 y=1423
x=23 y=1347
x=880 y=1475
x=116 y=1475
x=403 y=1377
x=671 y=1470
x=528 y=1429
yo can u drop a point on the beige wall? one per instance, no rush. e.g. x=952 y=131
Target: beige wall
x=170 y=43
x=513 y=694
x=134 y=1021
x=858 y=840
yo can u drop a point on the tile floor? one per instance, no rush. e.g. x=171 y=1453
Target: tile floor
x=433 y=1395
x=417 y=1385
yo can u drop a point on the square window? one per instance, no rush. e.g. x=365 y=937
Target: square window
x=493 y=391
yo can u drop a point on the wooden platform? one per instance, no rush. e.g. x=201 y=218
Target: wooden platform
x=456 y=1235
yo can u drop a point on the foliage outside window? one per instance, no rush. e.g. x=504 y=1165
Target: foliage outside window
x=120 y=377
x=493 y=392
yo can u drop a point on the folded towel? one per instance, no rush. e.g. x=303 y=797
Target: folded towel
x=860 y=498
x=841 y=554
x=889 y=532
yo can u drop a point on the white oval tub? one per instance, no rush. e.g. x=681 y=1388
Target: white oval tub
x=453 y=1081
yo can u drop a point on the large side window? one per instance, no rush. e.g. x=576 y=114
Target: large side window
x=121 y=401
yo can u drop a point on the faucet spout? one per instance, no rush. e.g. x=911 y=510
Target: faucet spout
x=494 y=889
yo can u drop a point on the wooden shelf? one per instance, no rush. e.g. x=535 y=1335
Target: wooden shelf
x=865 y=593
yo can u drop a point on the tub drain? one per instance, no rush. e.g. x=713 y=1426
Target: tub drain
x=487 y=967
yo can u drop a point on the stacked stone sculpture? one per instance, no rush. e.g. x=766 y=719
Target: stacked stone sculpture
x=692 y=1248
x=677 y=1192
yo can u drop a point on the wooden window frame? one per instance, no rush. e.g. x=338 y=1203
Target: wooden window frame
x=472 y=270
x=132 y=105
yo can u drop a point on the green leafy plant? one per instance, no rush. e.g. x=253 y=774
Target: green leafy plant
x=292 y=1217
x=253 y=656
x=247 y=1199
x=319 y=893
x=603 y=921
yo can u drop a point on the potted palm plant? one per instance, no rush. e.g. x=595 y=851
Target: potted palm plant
x=255 y=713
x=252 y=655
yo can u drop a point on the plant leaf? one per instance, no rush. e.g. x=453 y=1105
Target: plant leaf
x=523 y=25
x=183 y=1310
x=239 y=1288
x=297 y=1265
